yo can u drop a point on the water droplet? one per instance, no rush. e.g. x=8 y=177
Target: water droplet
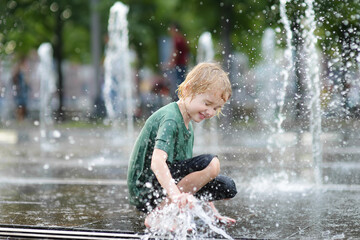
x=56 y=134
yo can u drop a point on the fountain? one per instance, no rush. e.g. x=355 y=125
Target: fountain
x=270 y=89
x=6 y=101
x=288 y=70
x=205 y=50
x=314 y=85
x=272 y=76
x=118 y=85
x=312 y=76
x=47 y=90
x=205 y=53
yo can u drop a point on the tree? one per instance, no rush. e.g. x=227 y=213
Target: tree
x=235 y=26
x=339 y=22
x=27 y=24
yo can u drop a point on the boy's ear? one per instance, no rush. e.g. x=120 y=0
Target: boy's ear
x=187 y=88
x=187 y=91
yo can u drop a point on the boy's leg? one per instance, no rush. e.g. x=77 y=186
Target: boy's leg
x=222 y=187
x=194 y=181
x=200 y=175
x=207 y=184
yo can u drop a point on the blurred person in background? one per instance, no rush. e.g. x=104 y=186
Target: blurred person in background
x=178 y=58
x=20 y=89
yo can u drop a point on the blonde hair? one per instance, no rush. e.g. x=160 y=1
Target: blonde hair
x=201 y=77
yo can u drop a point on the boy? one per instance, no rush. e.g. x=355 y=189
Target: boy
x=162 y=169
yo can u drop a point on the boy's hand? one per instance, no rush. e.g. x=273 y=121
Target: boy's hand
x=221 y=219
x=184 y=199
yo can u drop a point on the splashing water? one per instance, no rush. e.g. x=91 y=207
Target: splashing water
x=289 y=66
x=199 y=222
x=314 y=86
x=285 y=75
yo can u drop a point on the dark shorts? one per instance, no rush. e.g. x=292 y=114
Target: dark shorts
x=221 y=187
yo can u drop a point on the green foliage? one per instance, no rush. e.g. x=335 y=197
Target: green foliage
x=25 y=24
x=29 y=23
x=339 y=24
x=77 y=43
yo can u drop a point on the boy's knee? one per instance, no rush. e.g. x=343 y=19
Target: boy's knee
x=231 y=191
x=214 y=167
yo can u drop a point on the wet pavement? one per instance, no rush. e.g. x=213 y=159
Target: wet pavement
x=77 y=180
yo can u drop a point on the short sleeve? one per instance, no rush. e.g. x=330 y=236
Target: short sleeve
x=166 y=137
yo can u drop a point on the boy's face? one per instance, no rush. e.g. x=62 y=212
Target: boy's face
x=204 y=106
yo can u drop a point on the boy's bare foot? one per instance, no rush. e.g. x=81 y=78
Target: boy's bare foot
x=225 y=220
x=147 y=221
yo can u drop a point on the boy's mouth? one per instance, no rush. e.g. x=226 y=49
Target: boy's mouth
x=202 y=116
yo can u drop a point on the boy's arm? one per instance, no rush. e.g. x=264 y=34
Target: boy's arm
x=162 y=172
x=163 y=175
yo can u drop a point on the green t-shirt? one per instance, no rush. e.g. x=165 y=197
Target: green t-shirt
x=165 y=130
